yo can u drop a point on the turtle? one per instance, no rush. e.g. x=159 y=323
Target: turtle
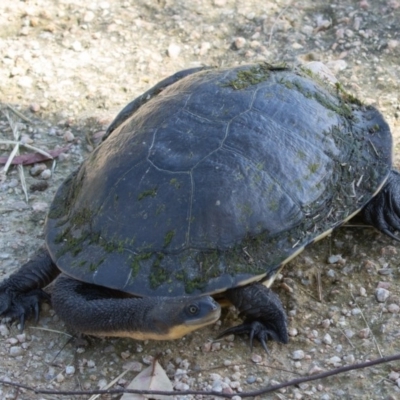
x=203 y=188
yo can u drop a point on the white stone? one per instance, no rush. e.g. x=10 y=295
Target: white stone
x=298 y=355
x=335 y=360
x=70 y=370
x=4 y=331
x=173 y=50
x=327 y=339
x=382 y=295
x=16 y=351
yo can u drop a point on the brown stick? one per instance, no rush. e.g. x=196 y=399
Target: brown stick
x=254 y=393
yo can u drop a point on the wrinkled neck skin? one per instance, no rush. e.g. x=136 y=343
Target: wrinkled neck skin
x=91 y=310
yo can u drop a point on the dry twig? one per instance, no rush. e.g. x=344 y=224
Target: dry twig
x=260 y=392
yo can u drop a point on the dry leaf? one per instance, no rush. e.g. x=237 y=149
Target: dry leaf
x=32 y=158
x=151 y=378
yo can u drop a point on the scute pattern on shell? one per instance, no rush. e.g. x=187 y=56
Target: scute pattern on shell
x=208 y=185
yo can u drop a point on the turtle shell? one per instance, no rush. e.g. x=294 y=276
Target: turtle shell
x=217 y=181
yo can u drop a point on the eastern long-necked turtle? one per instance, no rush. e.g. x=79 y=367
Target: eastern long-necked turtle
x=207 y=185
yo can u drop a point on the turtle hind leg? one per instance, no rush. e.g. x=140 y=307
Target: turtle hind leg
x=21 y=294
x=383 y=211
x=265 y=317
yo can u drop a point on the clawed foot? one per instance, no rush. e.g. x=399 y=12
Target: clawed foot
x=263 y=313
x=256 y=330
x=21 y=306
x=383 y=211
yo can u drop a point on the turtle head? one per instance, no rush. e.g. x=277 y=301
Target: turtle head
x=177 y=316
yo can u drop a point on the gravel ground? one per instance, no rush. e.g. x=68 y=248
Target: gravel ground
x=69 y=66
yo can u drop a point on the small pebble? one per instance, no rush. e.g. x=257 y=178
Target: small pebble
x=217 y=386
x=392 y=44
x=293 y=332
x=68 y=136
x=16 y=351
x=393 y=308
x=239 y=42
x=256 y=358
x=173 y=50
x=181 y=386
x=326 y=323
x=148 y=360
x=385 y=271
x=364 y=333
x=60 y=378
x=40 y=206
x=206 y=348
x=26 y=139
x=215 y=377
x=34 y=107
x=37 y=169
x=234 y=384
x=350 y=359
x=251 y=379
x=88 y=16
x=349 y=333
x=236 y=376
x=381 y=295
x=336 y=66
x=227 y=389
x=389 y=251
x=335 y=259
x=46 y=174
x=204 y=48
x=102 y=383
x=4 y=331
x=180 y=373
x=393 y=376
x=216 y=346
x=327 y=339
x=230 y=338
x=315 y=369
x=383 y=285
x=70 y=370
x=331 y=273
x=335 y=360
x=50 y=374
x=77 y=46
x=21 y=338
x=298 y=355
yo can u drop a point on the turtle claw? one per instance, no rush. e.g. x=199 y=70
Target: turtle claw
x=21 y=306
x=256 y=330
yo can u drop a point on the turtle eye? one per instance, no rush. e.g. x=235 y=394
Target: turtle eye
x=193 y=309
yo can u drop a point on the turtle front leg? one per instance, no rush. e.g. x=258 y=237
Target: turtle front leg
x=21 y=293
x=383 y=211
x=264 y=315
